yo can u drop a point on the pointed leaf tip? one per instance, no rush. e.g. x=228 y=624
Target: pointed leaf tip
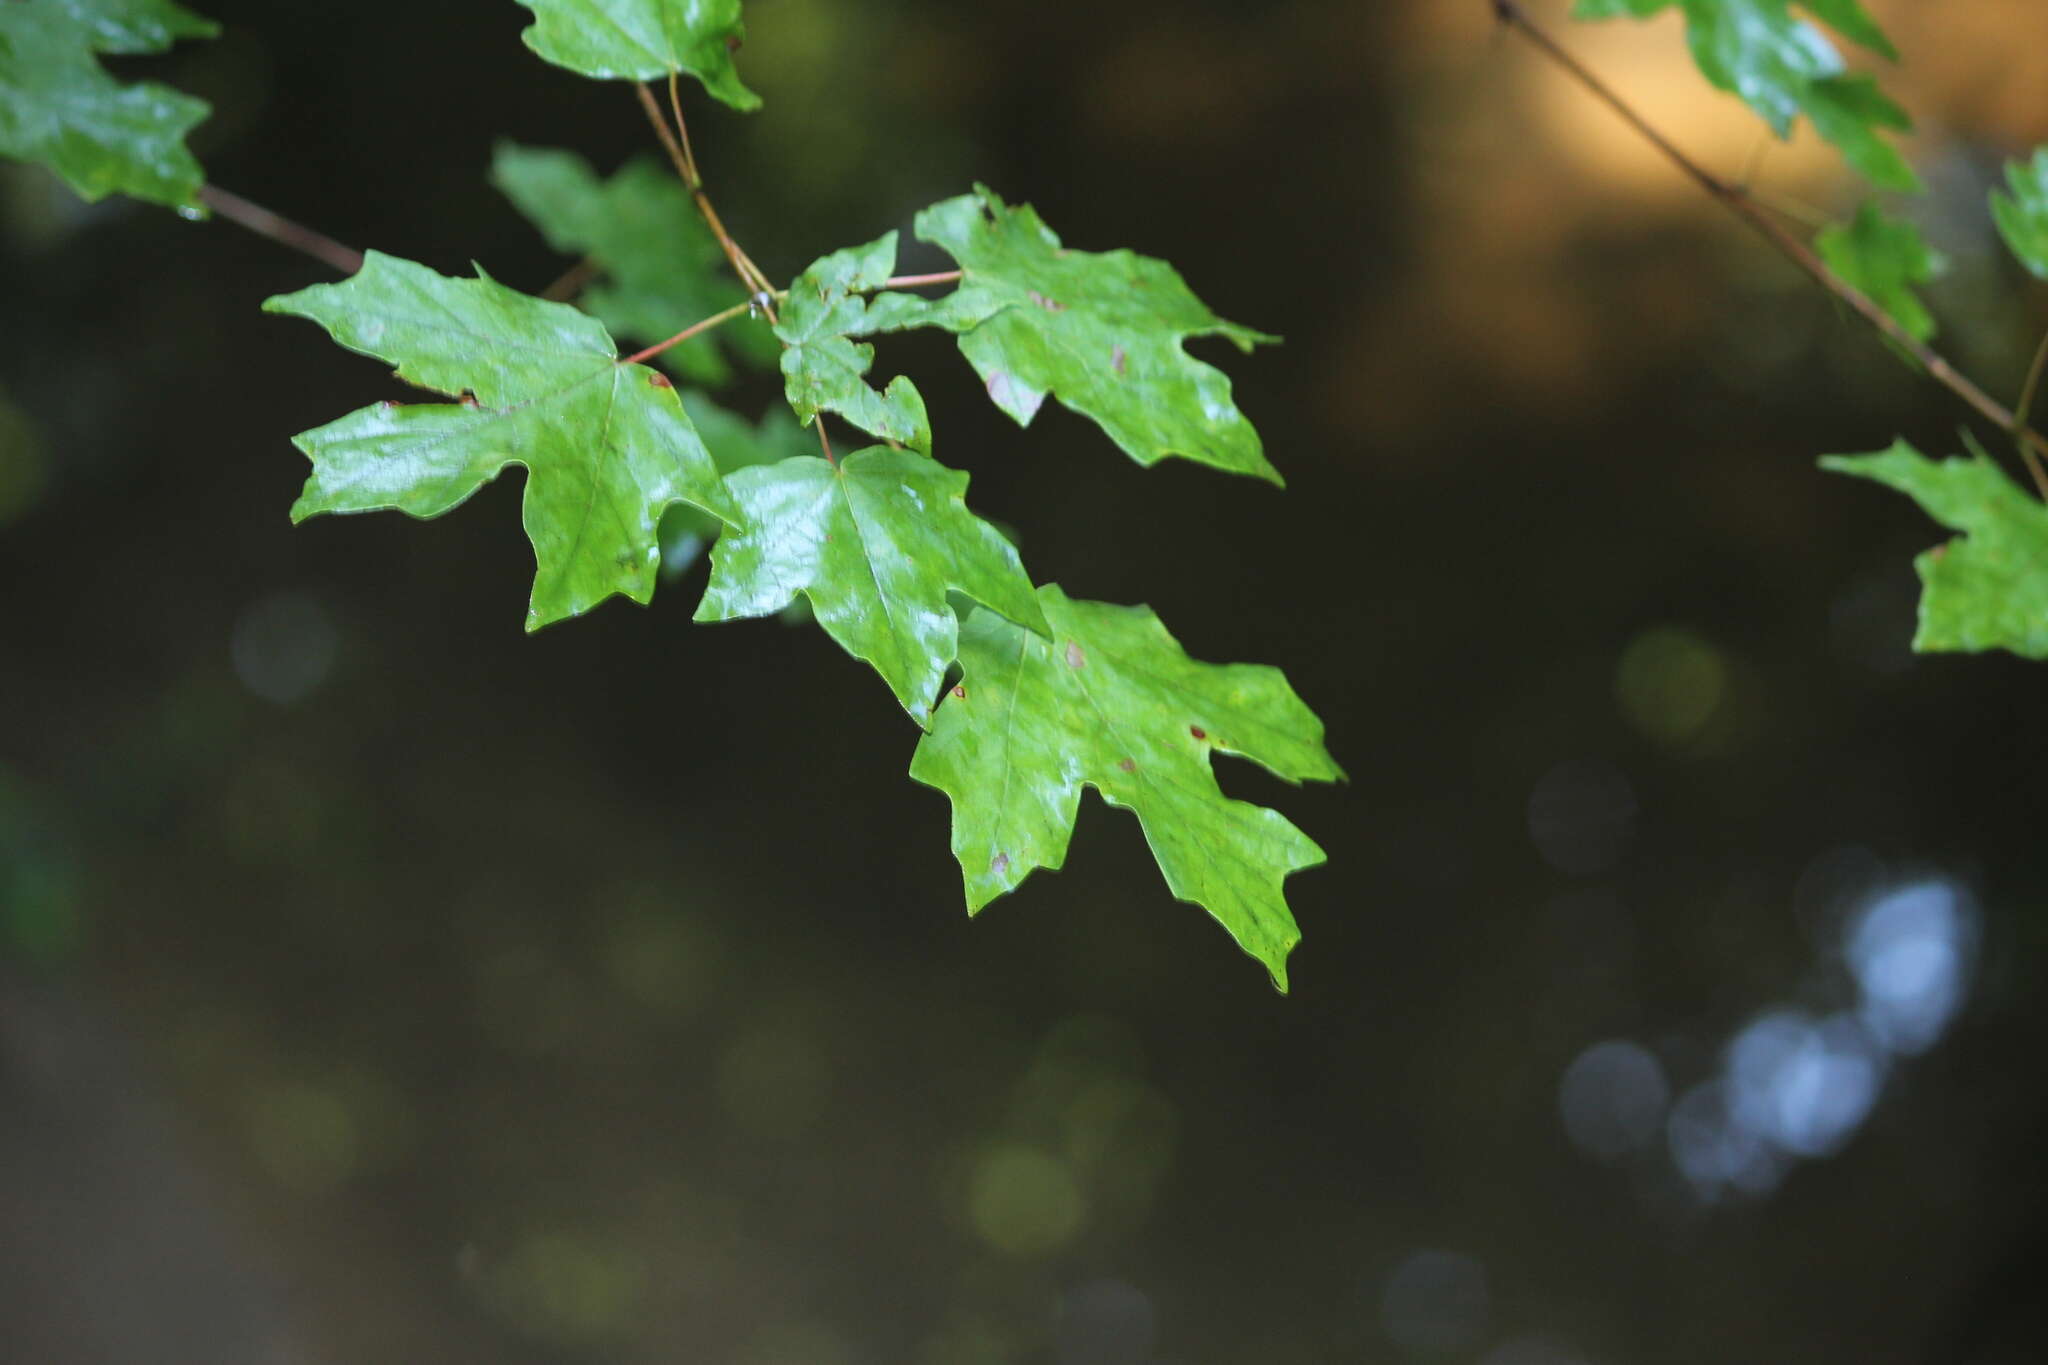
x=605 y=452
x=1102 y=332
x=61 y=108
x=1983 y=590
x=1111 y=701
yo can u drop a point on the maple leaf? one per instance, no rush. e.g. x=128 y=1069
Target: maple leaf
x=875 y=543
x=1782 y=67
x=1986 y=589
x=59 y=107
x=824 y=370
x=606 y=446
x=1110 y=700
x=662 y=268
x=2022 y=216
x=1884 y=258
x=643 y=40
x=1100 y=331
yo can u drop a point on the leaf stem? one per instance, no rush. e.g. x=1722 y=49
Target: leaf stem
x=686 y=166
x=722 y=316
x=280 y=229
x=824 y=440
x=917 y=281
x=570 y=282
x=2026 y=406
x=1739 y=202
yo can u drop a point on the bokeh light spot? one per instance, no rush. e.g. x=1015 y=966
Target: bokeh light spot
x=1436 y=1301
x=1024 y=1202
x=568 y=1288
x=283 y=647
x=1669 y=683
x=1910 y=950
x=1612 y=1099
x=1106 y=1322
x=305 y=1136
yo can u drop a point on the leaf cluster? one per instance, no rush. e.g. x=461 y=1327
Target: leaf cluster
x=1023 y=695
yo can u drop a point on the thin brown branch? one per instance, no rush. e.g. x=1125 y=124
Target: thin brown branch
x=2025 y=409
x=722 y=316
x=1738 y=202
x=675 y=104
x=686 y=167
x=281 y=229
x=918 y=281
x=824 y=440
x=570 y=282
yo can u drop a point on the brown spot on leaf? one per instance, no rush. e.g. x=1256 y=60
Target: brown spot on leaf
x=1075 y=658
x=1049 y=305
x=1117 y=359
x=468 y=399
x=1127 y=765
x=1198 y=732
x=658 y=379
x=1938 y=552
x=999 y=864
x=390 y=403
x=960 y=691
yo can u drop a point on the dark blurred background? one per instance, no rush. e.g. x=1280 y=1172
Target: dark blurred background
x=378 y=983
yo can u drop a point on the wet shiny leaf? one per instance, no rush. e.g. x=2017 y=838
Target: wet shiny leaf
x=606 y=446
x=1111 y=701
x=644 y=40
x=1986 y=589
x=1885 y=257
x=823 y=369
x=735 y=444
x=1100 y=331
x=60 y=107
x=875 y=543
x=1782 y=66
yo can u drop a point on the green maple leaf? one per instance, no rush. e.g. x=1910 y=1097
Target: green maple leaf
x=2022 y=216
x=662 y=267
x=1884 y=258
x=823 y=369
x=735 y=444
x=1782 y=66
x=875 y=542
x=59 y=107
x=1987 y=589
x=1111 y=701
x=644 y=40
x=1100 y=331
x=606 y=446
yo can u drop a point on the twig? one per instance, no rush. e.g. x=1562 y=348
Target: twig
x=686 y=167
x=2019 y=418
x=722 y=316
x=281 y=229
x=1739 y=202
x=570 y=282
x=917 y=281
